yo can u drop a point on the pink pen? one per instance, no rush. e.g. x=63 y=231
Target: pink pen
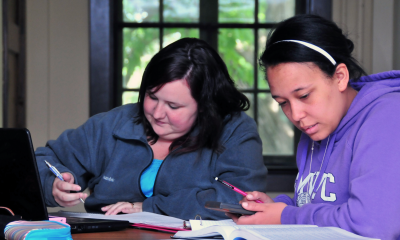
x=235 y=188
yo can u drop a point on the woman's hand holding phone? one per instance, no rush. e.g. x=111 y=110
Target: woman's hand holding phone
x=268 y=212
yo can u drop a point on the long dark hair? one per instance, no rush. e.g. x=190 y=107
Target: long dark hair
x=210 y=85
x=315 y=30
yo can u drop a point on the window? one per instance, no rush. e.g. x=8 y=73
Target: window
x=237 y=29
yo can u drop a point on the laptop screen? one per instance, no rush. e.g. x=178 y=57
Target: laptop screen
x=19 y=180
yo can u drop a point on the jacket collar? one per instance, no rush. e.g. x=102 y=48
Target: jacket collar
x=129 y=130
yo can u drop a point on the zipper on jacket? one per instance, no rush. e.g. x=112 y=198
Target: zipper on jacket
x=155 y=181
x=140 y=175
x=152 y=157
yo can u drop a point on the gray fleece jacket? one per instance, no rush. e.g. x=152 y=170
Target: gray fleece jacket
x=109 y=152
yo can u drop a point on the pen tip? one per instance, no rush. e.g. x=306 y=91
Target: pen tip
x=216 y=178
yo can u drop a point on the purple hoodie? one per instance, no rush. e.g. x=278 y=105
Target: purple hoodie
x=360 y=187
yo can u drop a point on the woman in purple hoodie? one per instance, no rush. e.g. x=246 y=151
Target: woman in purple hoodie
x=349 y=152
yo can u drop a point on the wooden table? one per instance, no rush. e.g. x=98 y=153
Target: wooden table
x=129 y=233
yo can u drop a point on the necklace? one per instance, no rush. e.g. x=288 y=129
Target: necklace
x=305 y=197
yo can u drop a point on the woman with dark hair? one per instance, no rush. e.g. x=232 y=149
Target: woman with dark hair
x=162 y=154
x=348 y=154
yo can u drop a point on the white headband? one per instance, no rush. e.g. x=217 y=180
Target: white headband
x=312 y=46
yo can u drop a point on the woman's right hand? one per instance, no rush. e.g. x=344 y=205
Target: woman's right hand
x=62 y=194
x=253 y=196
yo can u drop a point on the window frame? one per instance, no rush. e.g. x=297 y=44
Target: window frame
x=106 y=32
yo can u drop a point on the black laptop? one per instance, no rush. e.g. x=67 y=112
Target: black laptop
x=21 y=188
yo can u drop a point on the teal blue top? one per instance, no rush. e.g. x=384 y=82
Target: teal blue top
x=148 y=177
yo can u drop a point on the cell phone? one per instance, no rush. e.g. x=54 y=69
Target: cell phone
x=228 y=207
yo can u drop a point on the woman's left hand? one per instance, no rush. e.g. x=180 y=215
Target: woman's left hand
x=124 y=207
x=267 y=213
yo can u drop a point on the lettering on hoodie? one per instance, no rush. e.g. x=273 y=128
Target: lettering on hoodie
x=327 y=178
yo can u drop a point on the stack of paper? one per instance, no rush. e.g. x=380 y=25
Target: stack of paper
x=141 y=220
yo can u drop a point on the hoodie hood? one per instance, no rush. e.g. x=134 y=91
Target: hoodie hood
x=369 y=89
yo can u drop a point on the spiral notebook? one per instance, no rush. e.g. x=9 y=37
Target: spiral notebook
x=21 y=187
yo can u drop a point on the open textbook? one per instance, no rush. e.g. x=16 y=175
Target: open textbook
x=270 y=232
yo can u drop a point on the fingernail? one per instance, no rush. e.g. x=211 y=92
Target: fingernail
x=250 y=196
x=245 y=204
